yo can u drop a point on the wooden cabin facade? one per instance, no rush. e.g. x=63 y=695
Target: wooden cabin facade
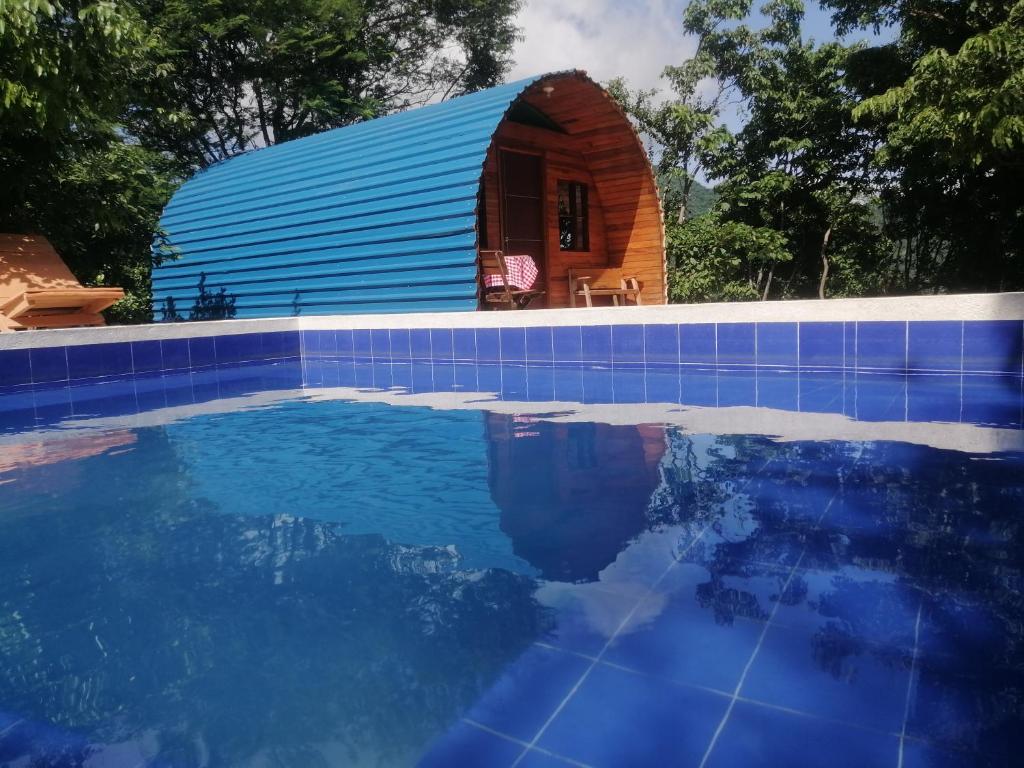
x=396 y=214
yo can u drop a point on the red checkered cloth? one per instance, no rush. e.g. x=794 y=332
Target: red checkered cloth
x=522 y=274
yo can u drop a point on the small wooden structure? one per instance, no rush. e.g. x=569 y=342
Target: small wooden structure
x=37 y=290
x=405 y=213
x=568 y=182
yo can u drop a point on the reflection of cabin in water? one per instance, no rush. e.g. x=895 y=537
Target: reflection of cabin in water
x=572 y=495
x=392 y=215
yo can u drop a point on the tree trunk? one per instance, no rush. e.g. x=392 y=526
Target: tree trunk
x=824 y=263
x=768 y=282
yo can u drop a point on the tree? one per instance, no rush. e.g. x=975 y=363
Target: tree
x=106 y=105
x=68 y=172
x=249 y=74
x=950 y=119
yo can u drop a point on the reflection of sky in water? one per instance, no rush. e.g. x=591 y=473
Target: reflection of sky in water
x=353 y=583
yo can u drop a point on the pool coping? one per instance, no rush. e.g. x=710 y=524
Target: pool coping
x=953 y=307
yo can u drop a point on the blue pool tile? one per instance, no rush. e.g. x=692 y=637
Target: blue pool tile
x=382 y=376
x=918 y=754
x=309 y=344
x=539 y=345
x=777 y=344
x=932 y=397
x=993 y=346
x=489 y=378
x=422 y=376
x=464 y=344
x=420 y=345
x=755 y=735
x=699 y=388
x=619 y=719
x=401 y=374
x=736 y=344
x=380 y=344
x=513 y=345
x=51 y=364
x=737 y=387
x=881 y=397
x=597 y=343
x=629 y=386
x=992 y=400
x=697 y=344
x=441 y=344
x=829 y=674
x=228 y=350
x=444 y=376
x=466 y=745
x=598 y=385
x=627 y=344
x=971 y=714
x=540 y=383
x=663 y=385
x=661 y=345
x=586 y=615
x=344 y=342
x=363 y=373
x=959 y=631
x=777 y=389
x=513 y=382
x=202 y=352
x=15 y=368
x=535 y=758
x=529 y=690
x=465 y=377
x=94 y=360
x=279 y=344
x=400 y=344
x=362 y=344
x=824 y=391
x=569 y=384
x=146 y=357
x=858 y=604
x=821 y=345
x=488 y=346
x=683 y=640
x=882 y=345
x=568 y=344
x=934 y=346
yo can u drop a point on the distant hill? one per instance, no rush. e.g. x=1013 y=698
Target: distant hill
x=701 y=197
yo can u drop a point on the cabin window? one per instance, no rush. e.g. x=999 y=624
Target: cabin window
x=573 y=216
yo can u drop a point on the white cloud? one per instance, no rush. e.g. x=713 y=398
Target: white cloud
x=634 y=39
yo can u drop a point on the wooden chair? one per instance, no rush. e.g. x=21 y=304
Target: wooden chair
x=602 y=282
x=493 y=263
x=37 y=290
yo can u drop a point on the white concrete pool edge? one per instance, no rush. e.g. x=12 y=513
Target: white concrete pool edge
x=976 y=306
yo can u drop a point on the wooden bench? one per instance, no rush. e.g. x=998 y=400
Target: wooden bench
x=37 y=290
x=493 y=263
x=589 y=282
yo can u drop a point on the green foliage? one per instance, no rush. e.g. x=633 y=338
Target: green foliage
x=105 y=105
x=949 y=126
x=247 y=73
x=716 y=260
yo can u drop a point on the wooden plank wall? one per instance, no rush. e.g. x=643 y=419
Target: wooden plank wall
x=602 y=150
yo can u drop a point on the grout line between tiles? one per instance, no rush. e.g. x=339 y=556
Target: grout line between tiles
x=764 y=631
x=520 y=742
x=910 y=682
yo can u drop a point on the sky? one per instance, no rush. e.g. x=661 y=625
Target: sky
x=634 y=39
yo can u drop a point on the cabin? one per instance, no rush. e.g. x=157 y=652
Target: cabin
x=441 y=208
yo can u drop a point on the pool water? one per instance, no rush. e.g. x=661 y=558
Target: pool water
x=303 y=578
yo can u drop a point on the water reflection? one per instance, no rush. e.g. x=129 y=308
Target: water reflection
x=333 y=583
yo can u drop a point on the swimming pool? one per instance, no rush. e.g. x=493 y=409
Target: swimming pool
x=339 y=558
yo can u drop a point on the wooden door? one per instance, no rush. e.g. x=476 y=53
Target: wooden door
x=522 y=195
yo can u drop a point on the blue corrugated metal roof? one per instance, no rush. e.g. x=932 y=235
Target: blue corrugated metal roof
x=374 y=217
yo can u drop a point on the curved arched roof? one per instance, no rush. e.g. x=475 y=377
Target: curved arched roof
x=374 y=217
